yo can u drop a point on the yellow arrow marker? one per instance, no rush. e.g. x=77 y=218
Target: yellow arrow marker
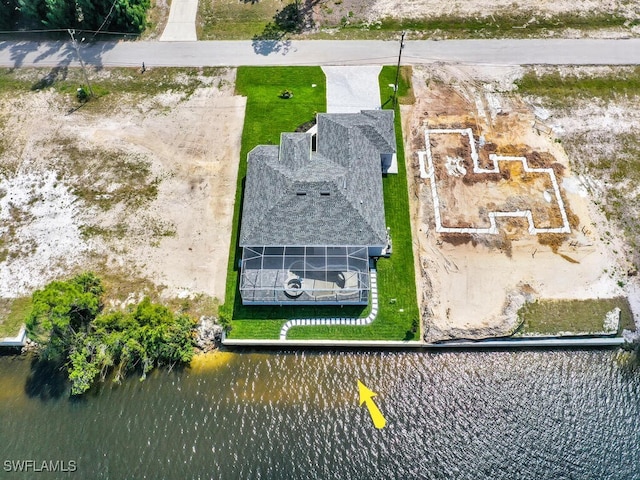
x=366 y=396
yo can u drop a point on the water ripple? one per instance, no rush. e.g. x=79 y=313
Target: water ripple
x=493 y=415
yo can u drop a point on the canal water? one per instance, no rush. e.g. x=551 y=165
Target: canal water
x=283 y=415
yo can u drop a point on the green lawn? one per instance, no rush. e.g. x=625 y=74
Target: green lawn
x=233 y=20
x=266 y=117
x=562 y=90
x=14 y=312
x=506 y=25
x=551 y=317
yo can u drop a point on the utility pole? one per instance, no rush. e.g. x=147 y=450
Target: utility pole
x=395 y=86
x=84 y=70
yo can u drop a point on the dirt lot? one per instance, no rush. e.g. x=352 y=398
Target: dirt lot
x=471 y=286
x=427 y=8
x=136 y=186
x=351 y=19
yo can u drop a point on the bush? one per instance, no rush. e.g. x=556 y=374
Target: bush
x=82 y=95
x=68 y=322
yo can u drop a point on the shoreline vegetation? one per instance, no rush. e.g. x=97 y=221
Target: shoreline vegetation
x=74 y=332
x=572 y=317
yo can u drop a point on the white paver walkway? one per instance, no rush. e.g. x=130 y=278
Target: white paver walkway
x=181 y=26
x=351 y=89
x=339 y=321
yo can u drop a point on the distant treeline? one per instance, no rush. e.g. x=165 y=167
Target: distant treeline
x=124 y=16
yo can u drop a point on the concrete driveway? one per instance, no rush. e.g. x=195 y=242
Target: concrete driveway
x=351 y=89
x=181 y=26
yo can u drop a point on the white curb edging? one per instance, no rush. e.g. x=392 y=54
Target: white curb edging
x=17 y=341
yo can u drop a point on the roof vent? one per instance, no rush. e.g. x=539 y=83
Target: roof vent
x=325 y=194
x=301 y=194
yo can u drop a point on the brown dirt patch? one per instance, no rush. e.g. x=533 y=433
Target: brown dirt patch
x=472 y=285
x=141 y=185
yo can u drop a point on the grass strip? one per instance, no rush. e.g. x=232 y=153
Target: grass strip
x=562 y=90
x=121 y=80
x=553 y=317
x=17 y=311
x=233 y=20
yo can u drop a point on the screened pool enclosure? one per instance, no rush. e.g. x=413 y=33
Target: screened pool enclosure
x=305 y=275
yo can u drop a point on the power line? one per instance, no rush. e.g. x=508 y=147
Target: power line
x=84 y=70
x=107 y=17
x=79 y=30
x=395 y=88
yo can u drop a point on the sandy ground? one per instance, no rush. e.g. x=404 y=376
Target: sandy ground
x=473 y=287
x=178 y=239
x=421 y=8
x=353 y=11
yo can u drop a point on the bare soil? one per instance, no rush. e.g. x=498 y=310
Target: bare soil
x=336 y=12
x=471 y=286
x=467 y=198
x=138 y=187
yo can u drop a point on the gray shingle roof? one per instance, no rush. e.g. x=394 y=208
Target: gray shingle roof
x=333 y=196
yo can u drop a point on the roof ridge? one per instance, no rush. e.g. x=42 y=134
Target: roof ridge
x=365 y=217
x=281 y=194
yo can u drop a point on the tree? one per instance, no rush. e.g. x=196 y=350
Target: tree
x=61 y=310
x=67 y=320
x=31 y=12
x=130 y=16
x=60 y=14
x=125 y=16
x=9 y=12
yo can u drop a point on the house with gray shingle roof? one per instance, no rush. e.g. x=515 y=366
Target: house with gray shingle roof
x=313 y=212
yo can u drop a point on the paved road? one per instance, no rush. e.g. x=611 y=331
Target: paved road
x=326 y=52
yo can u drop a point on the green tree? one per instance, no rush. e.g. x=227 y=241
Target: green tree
x=61 y=310
x=9 y=12
x=67 y=320
x=32 y=12
x=130 y=16
x=83 y=369
x=60 y=14
x=125 y=16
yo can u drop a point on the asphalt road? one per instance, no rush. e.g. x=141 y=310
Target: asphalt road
x=325 y=52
